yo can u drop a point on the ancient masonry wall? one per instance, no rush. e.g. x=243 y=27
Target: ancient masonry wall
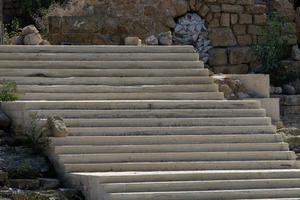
x=233 y=25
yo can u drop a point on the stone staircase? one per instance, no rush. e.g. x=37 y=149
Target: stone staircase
x=148 y=123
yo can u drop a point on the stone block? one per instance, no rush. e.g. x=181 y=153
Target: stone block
x=231 y=69
x=218 y=56
x=234 y=18
x=49 y=183
x=231 y=8
x=245 y=19
x=260 y=19
x=239 y=55
x=239 y=29
x=244 y=40
x=222 y=37
x=24 y=184
x=225 y=19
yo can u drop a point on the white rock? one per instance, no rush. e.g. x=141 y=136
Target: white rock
x=151 y=40
x=165 y=38
x=57 y=127
x=133 y=41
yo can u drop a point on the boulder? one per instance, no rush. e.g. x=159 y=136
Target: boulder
x=295 y=52
x=33 y=39
x=57 y=127
x=151 y=40
x=289 y=89
x=135 y=41
x=165 y=38
x=17 y=40
x=29 y=30
x=4 y=121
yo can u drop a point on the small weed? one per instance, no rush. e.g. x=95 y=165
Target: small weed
x=9 y=91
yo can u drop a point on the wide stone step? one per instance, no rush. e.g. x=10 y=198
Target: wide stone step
x=139 y=104
x=174 y=157
x=166 y=122
x=64 y=73
x=95 y=49
x=173 y=166
x=124 y=96
x=213 y=194
x=169 y=139
x=201 y=175
x=101 y=64
x=162 y=113
x=183 y=130
x=202 y=185
x=116 y=89
x=110 y=81
x=101 y=56
x=229 y=147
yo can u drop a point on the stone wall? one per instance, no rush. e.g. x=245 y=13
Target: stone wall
x=290 y=110
x=233 y=25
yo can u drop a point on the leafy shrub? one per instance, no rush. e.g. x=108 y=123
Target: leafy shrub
x=37 y=136
x=25 y=170
x=273 y=44
x=9 y=91
x=11 y=30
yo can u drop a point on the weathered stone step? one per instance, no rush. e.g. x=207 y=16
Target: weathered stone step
x=137 y=104
x=64 y=73
x=185 y=130
x=95 y=49
x=110 y=81
x=212 y=195
x=202 y=175
x=101 y=56
x=174 y=157
x=173 y=166
x=162 y=113
x=166 y=122
x=202 y=185
x=227 y=147
x=100 y=64
x=116 y=89
x=124 y=96
x=169 y=139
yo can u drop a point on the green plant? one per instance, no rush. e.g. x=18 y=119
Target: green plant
x=9 y=91
x=36 y=136
x=25 y=170
x=11 y=30
x=273 y=44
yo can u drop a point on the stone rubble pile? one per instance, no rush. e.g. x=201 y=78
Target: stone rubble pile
x=29 y=36
x=191 y=30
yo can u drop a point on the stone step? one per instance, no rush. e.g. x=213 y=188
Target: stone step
x=212 y=195
x=201 y=175
x=173 y=166
x=161 y=113
x=202 y=185
x=227 y=147
x=65 y=73
x=101 y=56
x=110 y=81
x=174 y=157
x=186 y=130
x=169 y=139
x=166 y=122
x=116 y=89
x=140 y=104
x=101 y=64
x=123 y=96
x=95 y=49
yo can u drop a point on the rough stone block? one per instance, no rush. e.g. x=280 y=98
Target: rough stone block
x=245 y=19
x=239 y=55
x=244 y=40
x=230 y=8
x=135 y=41
x=218 y=56
x=222 y=37
x=231 y=69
